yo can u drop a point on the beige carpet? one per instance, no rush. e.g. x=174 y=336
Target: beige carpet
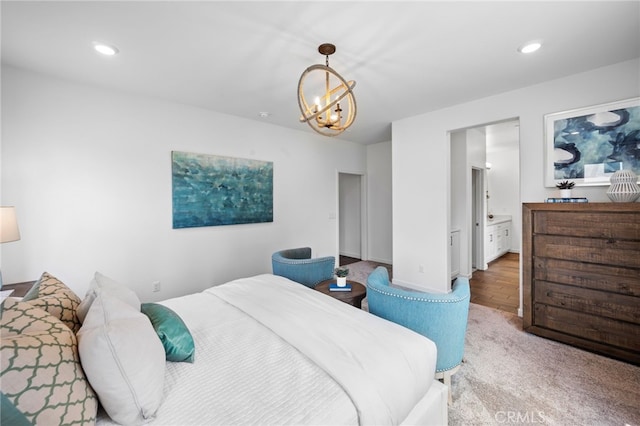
x=359 y=271
x=512 y=377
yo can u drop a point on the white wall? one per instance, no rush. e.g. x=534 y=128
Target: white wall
x=421 y=176
x=379 y=203
x=89 y=171
x=458 y=171
x=460 y=214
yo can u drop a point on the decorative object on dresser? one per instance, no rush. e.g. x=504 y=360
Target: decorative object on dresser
x=565 y=188
x=567 y=200
x=8 y=227
x=581 y=275
x=624 y=187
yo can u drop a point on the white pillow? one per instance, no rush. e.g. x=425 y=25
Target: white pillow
x=101 y=282
x=123 y=359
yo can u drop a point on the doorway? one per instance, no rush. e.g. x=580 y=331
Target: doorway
x=502 y=186
x=351 y=214
x=488 y=187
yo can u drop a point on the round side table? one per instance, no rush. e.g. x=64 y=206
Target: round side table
x=353 y=297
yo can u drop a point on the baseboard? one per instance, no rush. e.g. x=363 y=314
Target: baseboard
x=410 y=286
x=354 y=255
x=379 y=260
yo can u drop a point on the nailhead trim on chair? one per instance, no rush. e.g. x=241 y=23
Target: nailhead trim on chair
x=295 y=261
x=417 y=299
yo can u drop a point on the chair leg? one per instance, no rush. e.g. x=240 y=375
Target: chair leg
x=447 y=382
x=445 y=376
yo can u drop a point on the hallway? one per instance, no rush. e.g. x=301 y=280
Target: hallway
x=498 y=286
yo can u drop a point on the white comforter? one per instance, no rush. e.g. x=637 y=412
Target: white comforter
x=271 y=351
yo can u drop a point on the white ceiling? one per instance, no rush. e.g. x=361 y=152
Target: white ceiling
x=242 y=58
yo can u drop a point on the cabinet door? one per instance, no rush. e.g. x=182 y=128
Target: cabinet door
x=454 y=242
x=506 y=237
x=499 y=233
x=490 y=243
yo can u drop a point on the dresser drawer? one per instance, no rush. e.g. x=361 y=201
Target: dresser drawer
x=622 y=225
x=588 y=275
x=595 y=302
x=617 y=252
x=620 y=334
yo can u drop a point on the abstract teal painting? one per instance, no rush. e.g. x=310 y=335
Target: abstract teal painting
x=210 y=190
x=588 y=145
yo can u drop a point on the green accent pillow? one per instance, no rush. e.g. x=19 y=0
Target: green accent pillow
x=172 y=331
x=10 y=415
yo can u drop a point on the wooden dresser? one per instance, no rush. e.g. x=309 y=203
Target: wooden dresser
x=581 y=275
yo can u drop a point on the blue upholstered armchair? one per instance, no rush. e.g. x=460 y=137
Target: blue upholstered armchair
x=440 y=317
x=297 y=265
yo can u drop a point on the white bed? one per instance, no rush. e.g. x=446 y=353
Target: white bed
x=270 y=351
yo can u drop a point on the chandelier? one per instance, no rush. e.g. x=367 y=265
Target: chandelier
x=333 y=107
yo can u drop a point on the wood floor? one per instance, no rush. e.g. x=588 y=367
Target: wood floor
x=346 y=260
x=498 y=286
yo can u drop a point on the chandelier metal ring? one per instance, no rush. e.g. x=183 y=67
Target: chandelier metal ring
x=323 y=118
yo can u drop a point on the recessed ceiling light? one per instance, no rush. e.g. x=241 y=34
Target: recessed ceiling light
x=264 y=114
x=105 y=49
x=530 y=47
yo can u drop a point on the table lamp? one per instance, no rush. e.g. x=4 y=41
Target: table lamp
x=8 y=228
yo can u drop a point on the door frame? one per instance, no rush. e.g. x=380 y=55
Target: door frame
x=478 y=215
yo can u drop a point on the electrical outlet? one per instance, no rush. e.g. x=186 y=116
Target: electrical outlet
x=421 y=269
x=156 y=286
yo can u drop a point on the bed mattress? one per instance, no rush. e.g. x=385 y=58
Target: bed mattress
x=271 y=351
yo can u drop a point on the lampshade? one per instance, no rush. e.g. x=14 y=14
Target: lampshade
x=8 y=225
x=332 y=106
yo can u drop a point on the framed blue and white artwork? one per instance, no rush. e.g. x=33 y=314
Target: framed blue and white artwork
x=588 y=145
x=210 y=190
